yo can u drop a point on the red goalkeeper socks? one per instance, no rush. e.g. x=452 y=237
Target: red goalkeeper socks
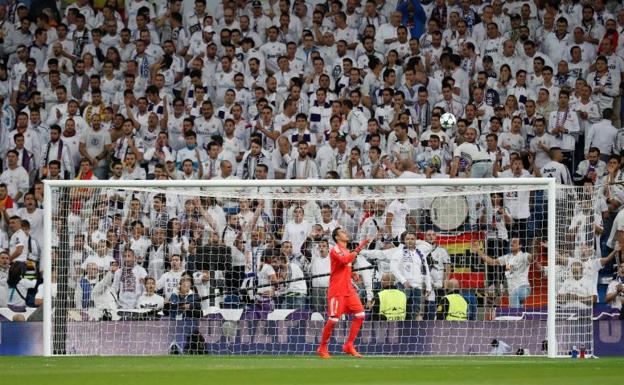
x=356 y=324
x=327 y=332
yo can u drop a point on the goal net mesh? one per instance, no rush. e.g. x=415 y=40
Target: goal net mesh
x=153 y=271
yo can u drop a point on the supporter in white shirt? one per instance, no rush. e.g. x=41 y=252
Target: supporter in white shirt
x=102 y=257
x=518 y=203
x=208 y=124
x=387 y=33
x=615 y=290
x=272 y=49
x=291 y=295
x=602 y=135
x=516 y=264
x=320 y=264
x=266 y=277
x=18 y=242
x=15 y=177
x=303 y=166
x=94 y=144
x=212 y=162
x=604 y=84
x=470 y=154
x=5 y=261
x=137 y=241
x=326 y=154
x=591 y=167
x=576 y=292
x=554 y=168
x=409 y=265
x=587 y=109
x=128 y=281
x=563 y=124
x=34 y=215
x=297 y=230
x=499 y=156
x=512 y=140
x=17 y=294
x=396 y=218
x=556 y=43
x=149 y=300
x=169 y=282
x=492 y=45
x=540 y=145
x=441 y=267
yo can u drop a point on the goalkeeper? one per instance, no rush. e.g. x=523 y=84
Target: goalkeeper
x=341 y=295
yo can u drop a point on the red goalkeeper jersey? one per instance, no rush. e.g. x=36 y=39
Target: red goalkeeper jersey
x=340 y=278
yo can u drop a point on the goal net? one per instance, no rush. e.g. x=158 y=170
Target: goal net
x=455 y=267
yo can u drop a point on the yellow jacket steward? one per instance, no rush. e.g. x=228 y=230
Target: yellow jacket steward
x=457 y=308
x=392 y=304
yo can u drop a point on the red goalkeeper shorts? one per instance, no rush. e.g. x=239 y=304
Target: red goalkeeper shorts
x=350 y=304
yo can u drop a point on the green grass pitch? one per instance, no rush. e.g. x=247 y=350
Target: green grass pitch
x=300 y=370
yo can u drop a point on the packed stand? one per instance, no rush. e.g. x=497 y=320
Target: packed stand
x=295 y=89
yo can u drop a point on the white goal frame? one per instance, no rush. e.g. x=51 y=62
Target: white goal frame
x=546 y=184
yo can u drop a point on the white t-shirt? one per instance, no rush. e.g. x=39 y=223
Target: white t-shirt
x=541 y=156
x=169 y=282
x=619 y=299
x=618 y=225
x=399 y=211
x=36 y=223
x=299 y=287
x=15 y=299
x=558 y=171
x=103 y=263
x=153 y=301
x=297 y=233
x=440 y=258
x=140 y=246
x=320 y=265
x=581 y=287
x=470 y=152
x=19 y=238
x=16 y=180
x=4 y=288
x=128 y=285
x=591 y=271
x=95 y=141
x=517 y=269
x=517 y=202
x=264 y=278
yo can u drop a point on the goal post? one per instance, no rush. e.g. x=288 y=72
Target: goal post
x=61 y=213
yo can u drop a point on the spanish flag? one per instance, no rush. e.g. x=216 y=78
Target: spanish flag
x=460 y=243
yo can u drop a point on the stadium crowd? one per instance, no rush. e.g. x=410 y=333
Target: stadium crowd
x=300 y=89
